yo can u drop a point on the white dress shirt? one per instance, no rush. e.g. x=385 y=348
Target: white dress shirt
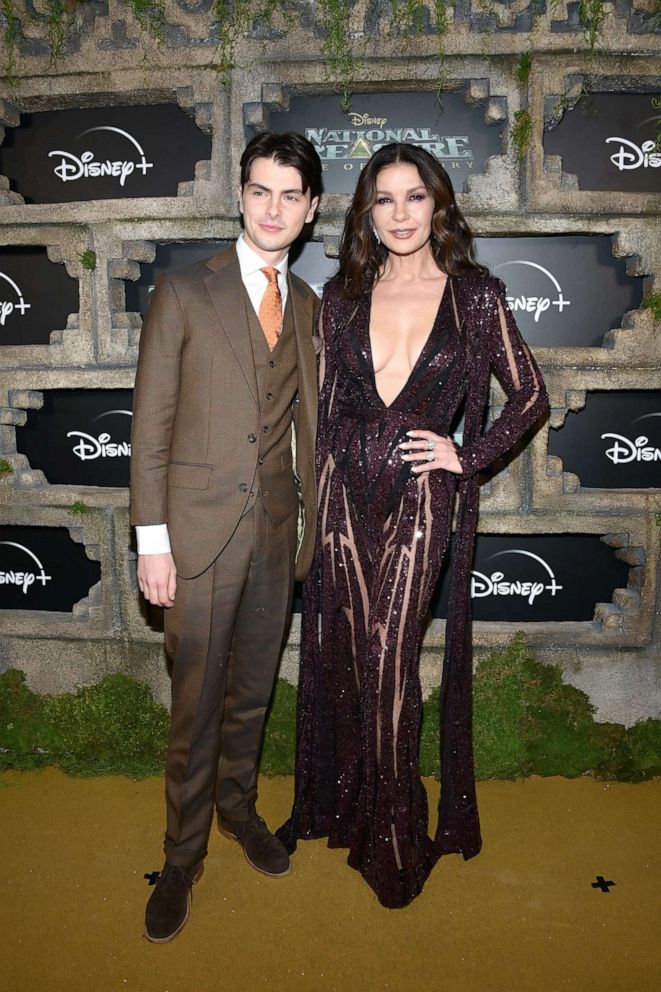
x=153 y=539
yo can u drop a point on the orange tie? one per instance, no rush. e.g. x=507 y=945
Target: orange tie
x=270 y=309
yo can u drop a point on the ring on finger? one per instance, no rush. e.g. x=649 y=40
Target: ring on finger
x=430 y=456
x=431 y=445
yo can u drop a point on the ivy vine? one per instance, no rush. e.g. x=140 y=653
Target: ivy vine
x=337 y=47
x=592 y=17
x=150 y=16
x=55 y=28
x=232 y=20
x=11 y=35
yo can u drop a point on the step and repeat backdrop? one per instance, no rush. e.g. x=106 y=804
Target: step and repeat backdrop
x=568 y=290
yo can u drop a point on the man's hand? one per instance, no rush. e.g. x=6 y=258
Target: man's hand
x=157 y=578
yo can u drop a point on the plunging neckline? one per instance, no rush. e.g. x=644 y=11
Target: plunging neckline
x=389 y=406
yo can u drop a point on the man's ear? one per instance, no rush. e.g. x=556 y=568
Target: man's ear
x=239 y=193
x=311 y=212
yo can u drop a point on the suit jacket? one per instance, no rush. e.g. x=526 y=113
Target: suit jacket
x=196 y=401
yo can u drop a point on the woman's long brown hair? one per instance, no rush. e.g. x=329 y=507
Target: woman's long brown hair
x=362 y=256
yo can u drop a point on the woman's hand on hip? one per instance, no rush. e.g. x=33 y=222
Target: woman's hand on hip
x=430 y=451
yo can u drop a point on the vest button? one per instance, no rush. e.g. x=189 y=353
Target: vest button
x=261 y=461
x=243 y=487
x=265 y=428
x=269 y=396
x=252 y=438
x=271 y=364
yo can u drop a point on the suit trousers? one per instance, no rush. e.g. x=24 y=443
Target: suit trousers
x=224 y=635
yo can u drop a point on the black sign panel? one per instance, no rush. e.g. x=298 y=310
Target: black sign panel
x=169 y=258
x=614 y=442
x=454 y=131
x=36 y=295
x=42 y=568
x=102 y=153
x=608 y=140
x=538 y=577
x=80 y=437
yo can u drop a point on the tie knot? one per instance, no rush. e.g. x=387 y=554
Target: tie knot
x=271 y=274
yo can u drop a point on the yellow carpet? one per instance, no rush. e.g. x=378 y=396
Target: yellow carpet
x=521 y=916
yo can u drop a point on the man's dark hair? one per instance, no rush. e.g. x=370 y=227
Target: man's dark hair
x=286 y=149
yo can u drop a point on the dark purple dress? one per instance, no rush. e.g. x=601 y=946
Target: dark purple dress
x=382 y=535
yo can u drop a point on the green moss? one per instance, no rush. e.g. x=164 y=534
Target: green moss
x=87 y=259
x=653 y=303
x=523 y=67
x=637 y=755
x=5 y=467
x=79 y=509
x=527 y=722
x=113 y=728
x=280 y=736
x=521 y=132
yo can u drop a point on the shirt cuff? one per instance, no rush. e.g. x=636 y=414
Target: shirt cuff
x=153 y=539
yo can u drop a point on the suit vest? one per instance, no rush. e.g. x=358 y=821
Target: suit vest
x=277 y=384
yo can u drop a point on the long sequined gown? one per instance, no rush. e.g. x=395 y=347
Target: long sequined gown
x=383 y=532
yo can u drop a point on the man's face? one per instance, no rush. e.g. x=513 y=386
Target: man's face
x=274 y=208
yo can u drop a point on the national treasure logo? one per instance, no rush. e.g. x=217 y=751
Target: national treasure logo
x=454 y=129
x=354 y=145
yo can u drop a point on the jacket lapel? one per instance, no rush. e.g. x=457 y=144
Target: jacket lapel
x=223 y=283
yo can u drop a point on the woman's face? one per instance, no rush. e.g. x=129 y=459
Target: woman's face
x=403 y=209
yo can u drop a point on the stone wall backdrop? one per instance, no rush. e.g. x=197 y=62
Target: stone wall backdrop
x=547 y=116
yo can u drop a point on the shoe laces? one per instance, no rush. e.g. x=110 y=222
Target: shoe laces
x=174 y=875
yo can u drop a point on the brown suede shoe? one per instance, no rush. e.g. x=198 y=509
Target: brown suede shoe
x=169 y=905
x=262 y=849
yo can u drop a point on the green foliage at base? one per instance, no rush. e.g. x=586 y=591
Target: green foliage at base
x=113 y=728
x=527 y=722
x=280 y=737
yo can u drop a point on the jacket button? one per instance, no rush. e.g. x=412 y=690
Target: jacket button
x=243 y=487
x=271 y=364
x=261 y=461
x=265 y=428
x=269 y=396
x=252 y=438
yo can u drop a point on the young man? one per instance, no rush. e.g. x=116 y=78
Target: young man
x=226 y=365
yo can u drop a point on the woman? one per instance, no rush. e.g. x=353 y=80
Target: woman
x=412 y=327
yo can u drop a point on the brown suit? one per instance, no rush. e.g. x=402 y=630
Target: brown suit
x=211 y=458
